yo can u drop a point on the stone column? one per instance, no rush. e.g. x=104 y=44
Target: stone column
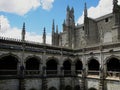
x=73 y=83
x=59 y=69
x=73 y=69
x=102 y=83
x=84 y=73
x=44 y=80
x=44 y=83
x=62 y=80
x=21 y=84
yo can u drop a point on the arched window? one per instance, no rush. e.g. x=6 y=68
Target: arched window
x=67 y=67
x=8 y=65
x=32 y=64
x=113 y=64
x=78 y=67
x=51 y=67
x=93 y=65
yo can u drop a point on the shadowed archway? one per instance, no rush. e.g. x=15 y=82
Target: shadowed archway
x=32 y=64
x=8 y=65
x=51 y=67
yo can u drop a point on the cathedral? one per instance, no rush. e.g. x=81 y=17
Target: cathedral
x=81 y=57
x=104 y=29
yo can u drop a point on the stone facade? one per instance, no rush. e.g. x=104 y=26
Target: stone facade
x=82 y=57
x=94 y=31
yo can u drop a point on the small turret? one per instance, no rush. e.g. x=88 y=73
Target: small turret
x=115 y=2
x=72 y=10
x=68 y=8
x=85 y=10
x=44 y=36
x=23 y=32
x=56 y=29
x=53 y=33
x=86 y=20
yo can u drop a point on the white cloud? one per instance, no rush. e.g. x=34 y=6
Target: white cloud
x=103 y=7
x=22 y=7
x=47 y=4
x=7 y=31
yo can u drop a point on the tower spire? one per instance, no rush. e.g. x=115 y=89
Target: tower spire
x=44 y=36
x=85 y=10
x=53 y=33
x=57 y=29
x=115 y=2
x=53 y=26
x=23 y=32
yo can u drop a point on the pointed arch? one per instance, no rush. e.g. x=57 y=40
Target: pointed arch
x=78 y=64
x=53 y=58
x=67 y=67
x=51 y=66
x=93 y=64
x=109 y=57
x=33 y=56
x=10 y=54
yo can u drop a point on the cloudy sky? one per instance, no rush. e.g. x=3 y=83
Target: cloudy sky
x=38 y=14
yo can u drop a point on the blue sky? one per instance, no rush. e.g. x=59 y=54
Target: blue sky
x=38 y=14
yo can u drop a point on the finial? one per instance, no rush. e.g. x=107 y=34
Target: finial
x=57 y=29
x=44 y=31
x=24 y=26
x=23 y=32
x=44 y=36
x=115 y=2
x=85 y=9
x=68 y=8
x=53 y=26
x=72 y=9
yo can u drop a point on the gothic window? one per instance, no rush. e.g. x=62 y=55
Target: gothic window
x=8 y=63
x=67 y=67
x=113 y=64
x=106 y=19
x=78 y=65
x=93 y=65
x=32 y=64
x=51 y=67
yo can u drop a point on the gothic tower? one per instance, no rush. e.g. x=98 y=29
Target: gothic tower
x=90 y=28
x=69 y=26
x=55 y=35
